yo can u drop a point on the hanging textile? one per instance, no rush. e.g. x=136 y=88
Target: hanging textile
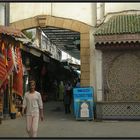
x=10 y=64
x=3 y=86
x=14 y=56
x=3 y=71
x=4 y=52
x=18 y=77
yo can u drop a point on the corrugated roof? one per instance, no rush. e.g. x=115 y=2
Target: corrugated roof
x=10 y=31
x=120 y=24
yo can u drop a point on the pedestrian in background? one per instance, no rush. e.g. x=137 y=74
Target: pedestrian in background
x=55 y=90
x=33 y=105
x=78 y=84
x=67 y=97
x=61 y=91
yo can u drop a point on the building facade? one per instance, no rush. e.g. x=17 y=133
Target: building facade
x=117 y=40
x=87 y=18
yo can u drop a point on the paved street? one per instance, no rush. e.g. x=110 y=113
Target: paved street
x=57 y=124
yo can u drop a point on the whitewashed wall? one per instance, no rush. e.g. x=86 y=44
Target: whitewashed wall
x=117 y=7
x=2 y=14
x=77 y=11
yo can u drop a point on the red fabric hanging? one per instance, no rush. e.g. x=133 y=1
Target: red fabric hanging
x=10 y=64
x=18 y=77
x=4 y=84
x=4 y=52
x=3 y=71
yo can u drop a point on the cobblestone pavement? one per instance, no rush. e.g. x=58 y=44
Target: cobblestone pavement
x=58 y=124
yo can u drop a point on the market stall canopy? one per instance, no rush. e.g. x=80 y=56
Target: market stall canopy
x=10 y=31
x=15 y=33
x=119 y=28
x=66 y=40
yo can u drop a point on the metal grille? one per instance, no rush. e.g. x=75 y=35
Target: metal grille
x=118 y=110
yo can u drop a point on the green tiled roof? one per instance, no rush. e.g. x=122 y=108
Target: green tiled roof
x=120 y=24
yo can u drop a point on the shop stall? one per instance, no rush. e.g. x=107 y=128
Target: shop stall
x=11 y=71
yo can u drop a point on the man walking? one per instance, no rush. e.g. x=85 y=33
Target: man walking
x=33 y=105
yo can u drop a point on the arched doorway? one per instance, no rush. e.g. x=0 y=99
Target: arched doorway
x=71 y=24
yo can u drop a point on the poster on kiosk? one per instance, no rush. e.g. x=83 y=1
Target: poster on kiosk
x=83 y=103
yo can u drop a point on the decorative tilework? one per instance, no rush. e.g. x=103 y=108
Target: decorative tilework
x=121 y=72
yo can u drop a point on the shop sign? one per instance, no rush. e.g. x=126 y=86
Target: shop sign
x=83 y=103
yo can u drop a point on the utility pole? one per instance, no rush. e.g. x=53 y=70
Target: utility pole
x=98 y=69
x=7 y=14
x=92 y=45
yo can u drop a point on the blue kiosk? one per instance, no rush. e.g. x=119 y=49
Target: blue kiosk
x=83 y=103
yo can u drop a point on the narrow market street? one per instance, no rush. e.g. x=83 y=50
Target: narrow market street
x=58 y=124
x=81 y=60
